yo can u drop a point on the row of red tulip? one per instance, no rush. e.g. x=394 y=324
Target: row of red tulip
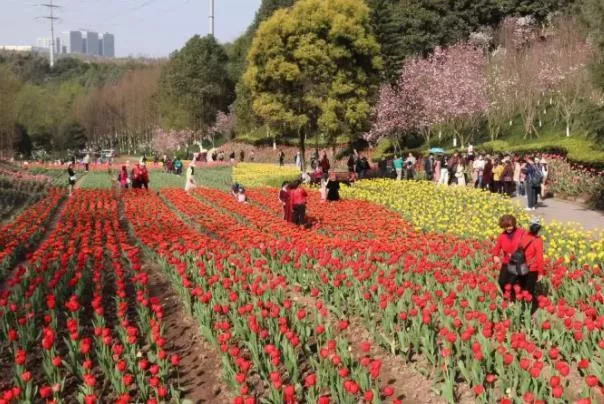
x=69 y=306
x=19 y=235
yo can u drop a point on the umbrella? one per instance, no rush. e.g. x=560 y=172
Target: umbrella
x=437 y=150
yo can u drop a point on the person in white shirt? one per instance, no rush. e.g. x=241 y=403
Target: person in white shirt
x=477 y=171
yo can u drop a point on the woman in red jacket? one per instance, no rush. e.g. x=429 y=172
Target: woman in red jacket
x=298 y=199
x=509 y=242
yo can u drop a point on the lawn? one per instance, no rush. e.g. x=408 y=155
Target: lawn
x=215 y=177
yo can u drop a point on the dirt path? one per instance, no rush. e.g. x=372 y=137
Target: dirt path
x=567 y=212
x=200 y=368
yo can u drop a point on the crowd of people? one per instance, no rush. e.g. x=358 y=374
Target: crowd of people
x=510 y=175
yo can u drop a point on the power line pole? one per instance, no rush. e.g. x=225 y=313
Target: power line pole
x=212 y=17
x=51 y=17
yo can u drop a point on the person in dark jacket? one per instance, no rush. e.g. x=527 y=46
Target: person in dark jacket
x=487 y=174
x=429 y=167
x=333 y=188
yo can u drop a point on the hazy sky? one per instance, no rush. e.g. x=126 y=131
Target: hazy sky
x=141 y=27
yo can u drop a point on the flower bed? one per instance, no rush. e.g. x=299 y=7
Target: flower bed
x=575 y=182
x=78 y=320
x=283 y=305
x=254 y=175
x=472 y=213
x=21 y=234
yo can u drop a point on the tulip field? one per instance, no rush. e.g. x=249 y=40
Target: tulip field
x=372 y=304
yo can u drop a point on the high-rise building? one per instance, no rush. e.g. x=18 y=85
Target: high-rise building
x=87 y=43
x=108 y=43
x=92 y=43
x=72 y=42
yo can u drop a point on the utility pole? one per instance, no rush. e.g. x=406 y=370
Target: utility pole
x=51 y=17
x=212 y=17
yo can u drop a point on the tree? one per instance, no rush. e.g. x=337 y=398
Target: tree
x=195 y=84
x=10 y=86
x=315 y=67
x=386 y=28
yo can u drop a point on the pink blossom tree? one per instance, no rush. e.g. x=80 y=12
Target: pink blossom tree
x=448 y=87
x=166 y=142
x=223 y=126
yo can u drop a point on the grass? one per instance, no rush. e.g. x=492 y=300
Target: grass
x=215 y=177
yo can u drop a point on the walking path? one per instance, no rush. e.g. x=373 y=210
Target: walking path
x=564 y=211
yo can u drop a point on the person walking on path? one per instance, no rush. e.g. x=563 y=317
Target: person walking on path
x=443 y=178
x=517 y=175
x=508 y=177
x=487 y=174
x=429 y=167
x=241 y=155
x=497 y=176
x=460 y=174
x=522 y=265
x=72 y=178
x=545 y=171
x=190 y=182
x=281 y=158
x=477 y=171
x=87 y=162
x=533 y=180
x=299 y=161
x=410 y=166
x=397 y=163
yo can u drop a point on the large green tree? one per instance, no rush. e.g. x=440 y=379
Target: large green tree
x=315 y=67
x=195 y=84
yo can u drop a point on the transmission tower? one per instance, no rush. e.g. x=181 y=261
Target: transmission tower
x=212 y=17
x=51 y=18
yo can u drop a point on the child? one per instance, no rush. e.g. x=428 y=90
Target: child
x=284 y=198
x=241 y=197
x=323 y=190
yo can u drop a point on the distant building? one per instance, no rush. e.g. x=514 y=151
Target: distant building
x=45 y=42
x=72 y=42
x=108 y=45
x=87 y=43
x=23 y=48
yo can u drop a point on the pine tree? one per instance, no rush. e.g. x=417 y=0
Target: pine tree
x=387 y=30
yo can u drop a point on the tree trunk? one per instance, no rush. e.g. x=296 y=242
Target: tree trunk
x=302 y=138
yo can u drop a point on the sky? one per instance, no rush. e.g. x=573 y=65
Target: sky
x=151 y=28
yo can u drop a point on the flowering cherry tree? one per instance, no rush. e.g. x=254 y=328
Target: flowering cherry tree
x=168 y=141
x=447 y=87
x=224 y=125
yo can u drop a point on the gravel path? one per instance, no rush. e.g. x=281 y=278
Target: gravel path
x=565 y=212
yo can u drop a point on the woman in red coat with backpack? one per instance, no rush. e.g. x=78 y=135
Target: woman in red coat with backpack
x=520 y=254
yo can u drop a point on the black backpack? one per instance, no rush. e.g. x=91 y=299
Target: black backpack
x=536 y=177
x=518 y=265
